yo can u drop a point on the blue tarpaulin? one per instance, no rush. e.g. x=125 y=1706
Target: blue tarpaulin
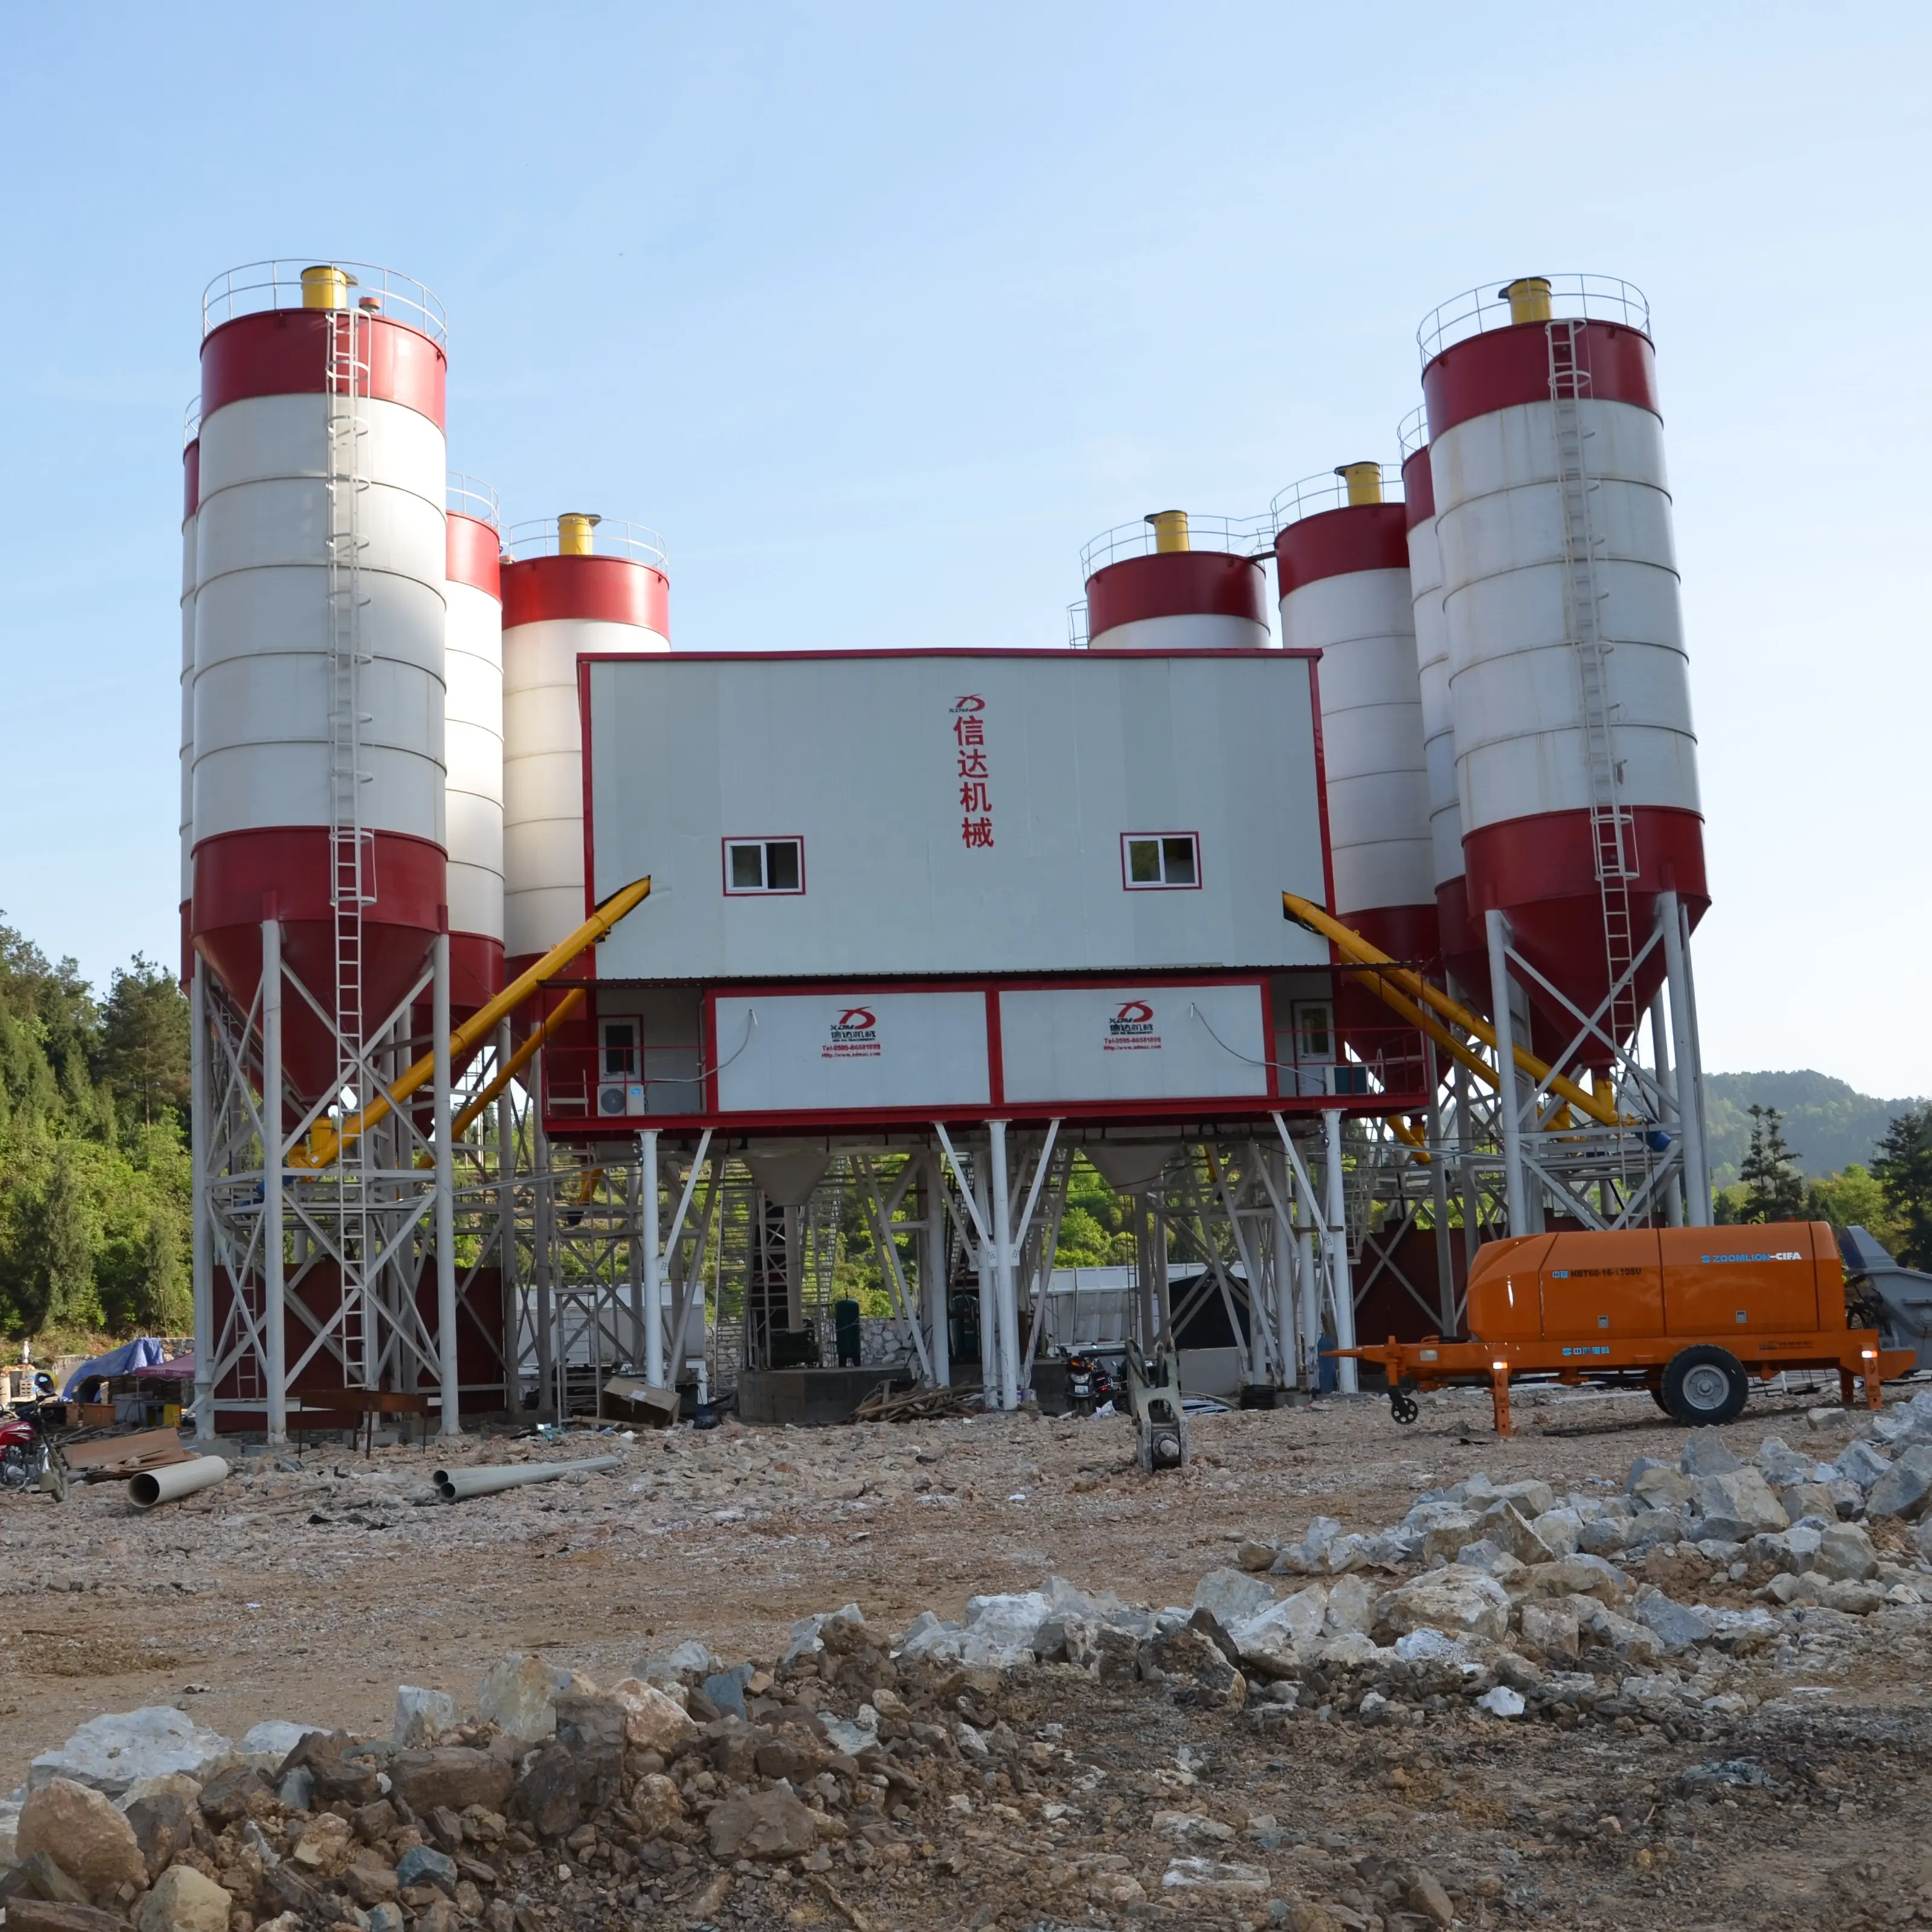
x=143 y=1352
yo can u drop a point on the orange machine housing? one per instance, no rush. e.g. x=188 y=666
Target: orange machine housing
x=1621 y=1305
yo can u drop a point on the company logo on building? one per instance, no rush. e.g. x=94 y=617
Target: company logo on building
x=854 y=1035
x=1783 y=1255
x=1132 y=1029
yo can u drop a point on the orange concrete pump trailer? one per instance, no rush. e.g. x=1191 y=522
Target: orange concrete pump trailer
x=1691 y=1312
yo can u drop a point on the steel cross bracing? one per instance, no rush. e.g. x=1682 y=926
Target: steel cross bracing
x=1612 y=831
x=259 y=1301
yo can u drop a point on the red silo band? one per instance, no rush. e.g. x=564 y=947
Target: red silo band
x=1407 y=934
x=1337 y=543
x=1508 y=367
x=191 y=479
x=1418 y=489
x=1542 y=872
x=284 y=352
x=1176 y=583
x=475 y=554
x=282 y=871
x=606 y=589
x=475 y=971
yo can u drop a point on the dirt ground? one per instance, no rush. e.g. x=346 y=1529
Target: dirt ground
x=307 y=1587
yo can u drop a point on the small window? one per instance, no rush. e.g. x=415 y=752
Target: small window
x=1314 y=1035
x=1155 y=861
x=764 y=866
x=620 y=1050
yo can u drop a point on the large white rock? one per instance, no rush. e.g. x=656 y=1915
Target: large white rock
x=421 y=1717
x=518 y=1695
x=1282 y=1635
x=1351 y=1605
x=1452 y=1599
x=265 y=1744
x=1231 y=1597
x=185 y=1901
x=652 y=1721
x=110 y=1752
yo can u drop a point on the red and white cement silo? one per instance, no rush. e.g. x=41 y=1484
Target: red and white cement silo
x=319 y=642
x=1173 y=583
x=191 y=486
x=473 y=743
x=1464 y=956
x=1342 y=566
x=1575 y=756
x=577 y=586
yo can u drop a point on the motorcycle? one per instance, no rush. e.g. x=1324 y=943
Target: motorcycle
x=1088 y=1384
x=25 y=1452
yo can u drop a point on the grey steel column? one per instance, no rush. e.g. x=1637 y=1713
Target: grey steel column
x=650 y=1232
x=445 y=1192
x=544 y=1259
x=1660 y=1050
x=275 y=1337
x=1006 y=1287
x=1336 y=1213
x=203 y=1275
x=510 y=1293
x=1689 y=1081
x=1438 y=1195
x=1514 y=1194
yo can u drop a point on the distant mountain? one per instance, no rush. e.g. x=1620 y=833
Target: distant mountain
x=1828 y=1123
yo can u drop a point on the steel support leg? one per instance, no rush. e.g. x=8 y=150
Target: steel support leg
x=1509 y=1102
x=446 y=1195
x=1690 y=1072
x=1336 y=1215
x=199 y=1139
x=1005 y=1289
x=274 y=1331
x=648 y=1231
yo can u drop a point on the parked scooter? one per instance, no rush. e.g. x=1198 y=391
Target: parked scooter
x=1089 y=1386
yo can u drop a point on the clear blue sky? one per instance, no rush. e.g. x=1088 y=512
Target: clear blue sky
x=878 y=313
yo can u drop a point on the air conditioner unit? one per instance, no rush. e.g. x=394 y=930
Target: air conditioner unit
x=616 y=1098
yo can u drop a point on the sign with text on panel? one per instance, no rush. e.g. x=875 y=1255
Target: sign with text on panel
x=878 y=815
x=1074 y=1044
x=838 y=1053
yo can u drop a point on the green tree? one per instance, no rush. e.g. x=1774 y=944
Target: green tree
x=63 y=1286
x=1854 y=1198
x=143 y=1055
x=1775 y=1189
x=1904 y=1171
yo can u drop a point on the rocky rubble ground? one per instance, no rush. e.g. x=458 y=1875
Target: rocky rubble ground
x=1512 y=1705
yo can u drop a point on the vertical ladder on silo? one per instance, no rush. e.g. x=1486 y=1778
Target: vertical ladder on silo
x=1613 y=832
x=351 y=859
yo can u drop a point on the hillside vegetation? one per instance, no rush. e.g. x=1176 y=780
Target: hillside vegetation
x=94 y=1160
x=1829 y=1125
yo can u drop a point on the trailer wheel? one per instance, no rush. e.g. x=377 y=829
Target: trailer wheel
x=1703 y=1387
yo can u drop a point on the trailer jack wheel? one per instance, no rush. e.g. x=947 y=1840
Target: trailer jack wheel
x=1403 y=1406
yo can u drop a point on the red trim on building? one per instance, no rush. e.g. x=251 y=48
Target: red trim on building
x=946 y=651
x=606 y=589
x=1505 y=368
x=1541 y=872
x=1418 y=488
x=191 y=479
x=474 y=554
x=996 y=1052
x=284 y=352
x=1465 y=950
x=239 y=875
x=1337 y=543
x=1408 y=933
x=1176 y=583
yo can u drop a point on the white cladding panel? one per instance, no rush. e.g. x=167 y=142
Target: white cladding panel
x=1145 y=1042
x=187 y=711
x=543 y=772
x=1201 y=631
x=787 y=1053
x=1438 y=729
x=857 y=756
x=1515 y=692
x=262 y=633
x=473 y=750
x=1362 y=622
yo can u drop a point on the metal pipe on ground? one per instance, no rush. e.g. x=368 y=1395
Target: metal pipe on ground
x=455 y=1485
x=175 y=1480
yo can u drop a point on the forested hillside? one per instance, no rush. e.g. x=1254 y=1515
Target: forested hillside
x=1829 y=1125
x=94 y=1160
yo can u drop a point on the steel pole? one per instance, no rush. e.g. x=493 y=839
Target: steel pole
x=1336 y=1213
x=1508 y=1104
x=648 y=1232
x=544 y=1214
x=1660 y=1052
x=989 y=1314
x=203 y=1274
x=275 y=1335
x=452 y=1423
x=934 y=1250
x=1283 y=1260
x=1438 y=1195
x=509 y=1294
x=1308 y=1363
x=1690 y=1071
x=1006 y=1287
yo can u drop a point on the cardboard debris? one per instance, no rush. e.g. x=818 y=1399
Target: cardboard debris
x=630 y=1399
x=114 y=1458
